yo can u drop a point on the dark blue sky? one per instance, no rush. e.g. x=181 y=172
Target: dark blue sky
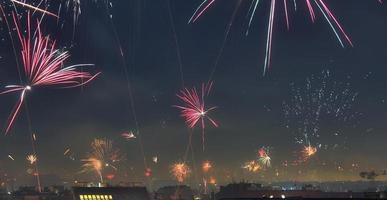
x=249 y=105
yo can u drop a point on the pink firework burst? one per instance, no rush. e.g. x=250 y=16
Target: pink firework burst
x=264 y=158
x=43 y=66
x=313 y=7
x=262 y=152
x=194 y=109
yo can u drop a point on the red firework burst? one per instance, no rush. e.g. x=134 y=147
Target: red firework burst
x=194 y=108
x=43 y=66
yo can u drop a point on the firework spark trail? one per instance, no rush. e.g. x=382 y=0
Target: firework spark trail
x=74 y=9
x=12 y=43
x=201 y=10
x=93 y=164
x=43 y=14
x=66 y=151
x=194 y=109
x=34 y=155
x=269 y=39
x=176 y=40
x=223 y=45
x=190 y=148
x=286 y=14
x=312 y=7
x=227 y=32
x=129 y=87
x=129 y=136
x=42 y=66
x=321 y=99
x=11 y=157
x=35 y=8
x=255 y=5
x=69 y=154
x=104 y=150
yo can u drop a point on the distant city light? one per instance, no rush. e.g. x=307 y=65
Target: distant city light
x=95 y=197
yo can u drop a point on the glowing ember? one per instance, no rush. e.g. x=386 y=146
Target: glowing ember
x=308 y=152
x=206 y=166
x=180 y=171
x=32 y=159
x=252 y=166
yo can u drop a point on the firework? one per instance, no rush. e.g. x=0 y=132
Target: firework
x=312 y=6
x=307 y=152
x=93 y=164
x=103 y=149
x=264 y=158
x=206 y=166
x=129 y=136
x=180 y=171
x=321 y=99
x=32 y=159
x=42 y=65
x=102 y=155
x=194 y=109
x=252 y=166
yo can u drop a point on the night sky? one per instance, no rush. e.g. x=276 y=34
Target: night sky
x=249 y=105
